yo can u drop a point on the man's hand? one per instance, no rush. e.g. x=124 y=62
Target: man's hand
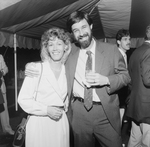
x=31 y=70
x=96 y=79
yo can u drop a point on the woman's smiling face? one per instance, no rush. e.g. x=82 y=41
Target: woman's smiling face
x=56 y=49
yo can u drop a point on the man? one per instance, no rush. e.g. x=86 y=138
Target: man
x=108 y=74
x=123 y=42
x=97 y=74
x=139 y=105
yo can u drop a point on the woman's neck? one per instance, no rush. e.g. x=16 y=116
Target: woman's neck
x=56 y=66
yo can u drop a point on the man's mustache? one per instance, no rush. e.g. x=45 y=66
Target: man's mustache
x=84 y=35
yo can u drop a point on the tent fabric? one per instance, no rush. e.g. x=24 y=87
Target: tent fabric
x=7 y=40
x=31 y=23
x=30 y=18
x=114 y=15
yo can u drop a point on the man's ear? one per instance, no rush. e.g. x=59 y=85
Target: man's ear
x=91 y=26
x=66 y=47
x=118 y=42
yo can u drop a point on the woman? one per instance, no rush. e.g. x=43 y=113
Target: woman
x=48 y=124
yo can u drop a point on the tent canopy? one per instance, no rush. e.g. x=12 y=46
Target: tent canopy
x=30 y=18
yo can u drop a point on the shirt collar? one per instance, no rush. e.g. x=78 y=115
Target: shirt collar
x=147 y=41
x=93 y=47
x=122 y=51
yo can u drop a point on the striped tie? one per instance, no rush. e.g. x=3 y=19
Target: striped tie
x=88 y=91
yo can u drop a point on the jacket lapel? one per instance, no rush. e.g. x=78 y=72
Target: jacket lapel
x=51 y=78
x=70 y=68
x=99 y=58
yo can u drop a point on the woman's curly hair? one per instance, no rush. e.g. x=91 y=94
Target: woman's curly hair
x=51 y=34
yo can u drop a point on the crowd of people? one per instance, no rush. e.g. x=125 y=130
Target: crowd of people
x=83 y=92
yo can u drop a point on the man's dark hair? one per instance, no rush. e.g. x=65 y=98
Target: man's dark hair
x=122 y=33
x=76 y=17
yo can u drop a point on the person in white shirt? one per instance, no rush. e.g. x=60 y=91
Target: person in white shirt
x=101 y=120
x=48 y=124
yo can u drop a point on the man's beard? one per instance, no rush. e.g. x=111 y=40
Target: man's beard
x=86 y=43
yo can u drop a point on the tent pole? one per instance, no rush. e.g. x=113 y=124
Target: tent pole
x=15 y=67
x=94 y=7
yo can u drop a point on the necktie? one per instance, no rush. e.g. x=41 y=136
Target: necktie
x=88 y=91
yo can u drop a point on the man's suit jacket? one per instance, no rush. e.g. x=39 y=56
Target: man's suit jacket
x=123 y=92
x=108 y=62
x=139 y=70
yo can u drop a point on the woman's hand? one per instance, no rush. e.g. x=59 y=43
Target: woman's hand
x=54 y=112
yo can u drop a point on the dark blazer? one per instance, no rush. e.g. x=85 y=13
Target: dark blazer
x=139 y=70
x=108 y=62
x=123 y=94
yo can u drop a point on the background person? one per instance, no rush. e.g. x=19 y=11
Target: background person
x=48 y=123
x=123 y=41
x=139 y=102
x=4 y=116
x=1 y=95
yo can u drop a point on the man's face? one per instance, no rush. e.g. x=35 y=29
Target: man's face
x=82 y=33
x=148 y=34
x=124 y=43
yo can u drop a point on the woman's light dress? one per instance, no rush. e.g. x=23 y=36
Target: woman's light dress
x=41 y=130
